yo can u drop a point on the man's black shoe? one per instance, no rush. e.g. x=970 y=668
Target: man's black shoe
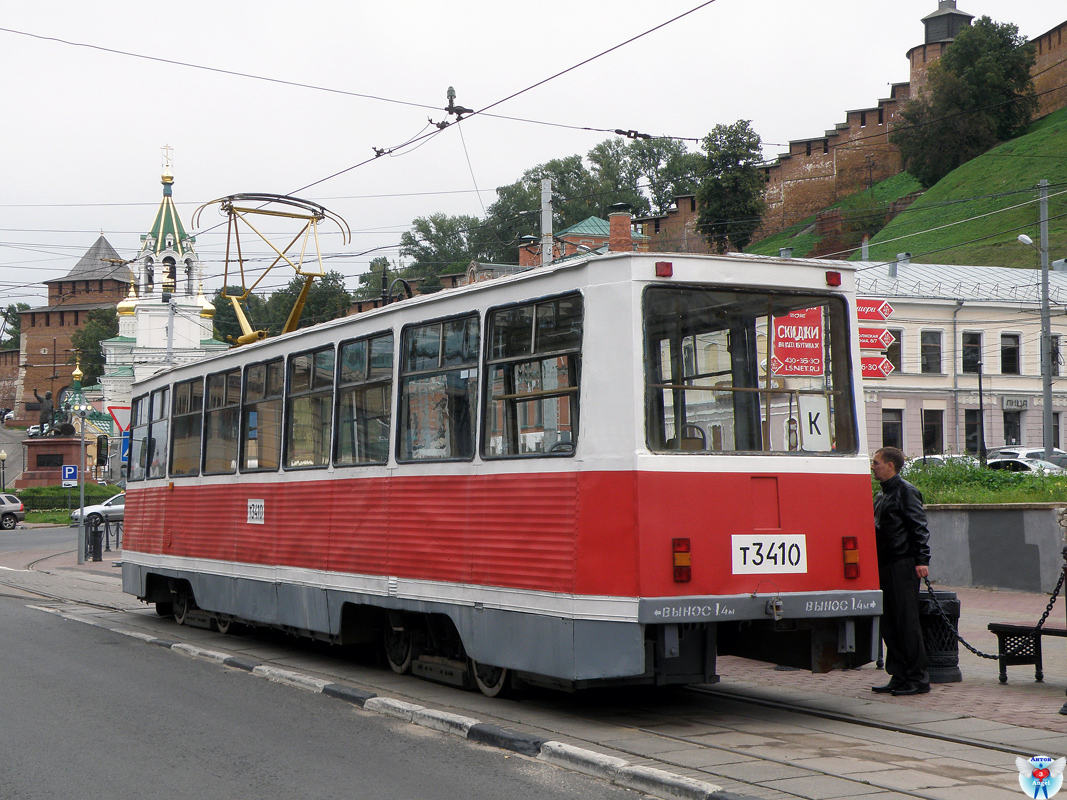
x=911 y=688
x=892 y=686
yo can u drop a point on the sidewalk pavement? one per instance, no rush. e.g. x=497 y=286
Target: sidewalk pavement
x=1021 y=713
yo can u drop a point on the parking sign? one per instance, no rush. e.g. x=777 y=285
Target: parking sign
x=70 y=475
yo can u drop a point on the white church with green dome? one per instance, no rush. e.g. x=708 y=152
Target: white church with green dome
x=165 y=320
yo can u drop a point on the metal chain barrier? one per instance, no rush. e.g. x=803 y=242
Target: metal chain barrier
x=1014 y=650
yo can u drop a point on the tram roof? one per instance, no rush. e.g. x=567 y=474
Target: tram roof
x=531 y=273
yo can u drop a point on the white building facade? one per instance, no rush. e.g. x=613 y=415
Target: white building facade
x=951 y=323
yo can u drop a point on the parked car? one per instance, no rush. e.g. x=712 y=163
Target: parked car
x=1025 y=465
x=1025 y=452
x=113 y=509
x=11 y=511
x=937 y=460
x=33 y=430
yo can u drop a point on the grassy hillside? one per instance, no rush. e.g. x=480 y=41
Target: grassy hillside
x=968 y=217
x=965 y=218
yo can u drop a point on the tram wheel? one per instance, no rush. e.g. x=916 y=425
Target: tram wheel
x=491 y=681
x=225 y=624
x=181 y=606
x=398 y=649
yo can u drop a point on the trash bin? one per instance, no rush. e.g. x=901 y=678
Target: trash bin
x=942 y=646
x=96 y=543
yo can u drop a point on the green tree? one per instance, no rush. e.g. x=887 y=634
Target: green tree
x=980 y=94
x=616 y=176
x=667 y=169
x=441 y=244
x=100 y=324
x=370 y=282
x=327 y=299
x=11 y=326
x=730 y=197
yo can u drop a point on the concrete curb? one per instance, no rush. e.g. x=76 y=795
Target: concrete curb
x=581 y=760
x=444 y=721
x=618 y=771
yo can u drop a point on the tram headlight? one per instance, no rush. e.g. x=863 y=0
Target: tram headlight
x=850 y=548
x=683 y=560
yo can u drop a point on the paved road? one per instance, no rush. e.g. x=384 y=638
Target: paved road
x=25 y=539
x=93 y=714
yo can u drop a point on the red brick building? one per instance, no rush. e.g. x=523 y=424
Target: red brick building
x=675 y=230
x=100 y=279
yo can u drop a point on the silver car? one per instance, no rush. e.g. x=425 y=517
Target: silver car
x=113 y=509
x=1025 y=465
x=11 y=511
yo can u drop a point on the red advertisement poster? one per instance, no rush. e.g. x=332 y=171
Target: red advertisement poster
x=798 y=346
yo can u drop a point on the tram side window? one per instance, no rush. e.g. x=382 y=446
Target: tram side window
x=531 y=407
x=157 y=433
x=261 y=416
x=137 y=466
x=438 y=390
x=708 y=353
x=185 y=433
x=221 y=422
x=310 y=417
x=364 y=401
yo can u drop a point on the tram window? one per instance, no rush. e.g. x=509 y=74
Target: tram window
x=364 y=401
x=531 y=405
x=438 y=390
x=707 y=353
x=310 y=415
x=220 y=422
x=157 y=433
x=185 y=433
x=137 y=467
x=261 y=417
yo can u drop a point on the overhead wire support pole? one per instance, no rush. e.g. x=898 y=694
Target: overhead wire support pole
x=1046 y=324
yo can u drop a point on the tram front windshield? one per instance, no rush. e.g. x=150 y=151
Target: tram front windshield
x=747 y=371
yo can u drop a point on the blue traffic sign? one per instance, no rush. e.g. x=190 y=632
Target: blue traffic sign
x=124 y=450
x=70 y=472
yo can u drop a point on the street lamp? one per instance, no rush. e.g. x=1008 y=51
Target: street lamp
x=82 y=410
x=1046 y=324
x=3 y=480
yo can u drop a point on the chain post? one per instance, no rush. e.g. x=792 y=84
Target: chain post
x=1063 y=708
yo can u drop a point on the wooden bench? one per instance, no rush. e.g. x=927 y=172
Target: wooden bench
x=1011 y=637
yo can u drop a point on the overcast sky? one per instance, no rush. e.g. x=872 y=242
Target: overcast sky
x=83 y=128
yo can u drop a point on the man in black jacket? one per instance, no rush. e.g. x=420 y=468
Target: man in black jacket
x=903 y=557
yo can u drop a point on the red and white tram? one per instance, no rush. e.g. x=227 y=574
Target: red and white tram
x=608 y=469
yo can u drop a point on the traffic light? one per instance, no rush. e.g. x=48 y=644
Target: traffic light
x=101 y=450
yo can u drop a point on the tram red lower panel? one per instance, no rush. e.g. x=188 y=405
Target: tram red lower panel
x=590 y=533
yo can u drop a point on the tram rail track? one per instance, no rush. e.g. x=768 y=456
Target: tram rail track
x=910 y=730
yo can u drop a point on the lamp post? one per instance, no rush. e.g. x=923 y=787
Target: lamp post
x=981 y=419
x=81 y=409
x=3 y=479
x=1046 y=321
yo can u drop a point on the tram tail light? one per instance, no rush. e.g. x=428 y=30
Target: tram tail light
x=664 y=269
x=833 y=277
x=850 y=549
x=683 y=560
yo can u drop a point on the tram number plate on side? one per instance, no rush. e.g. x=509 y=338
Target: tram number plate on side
x=257 y=512
x=766 y=554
